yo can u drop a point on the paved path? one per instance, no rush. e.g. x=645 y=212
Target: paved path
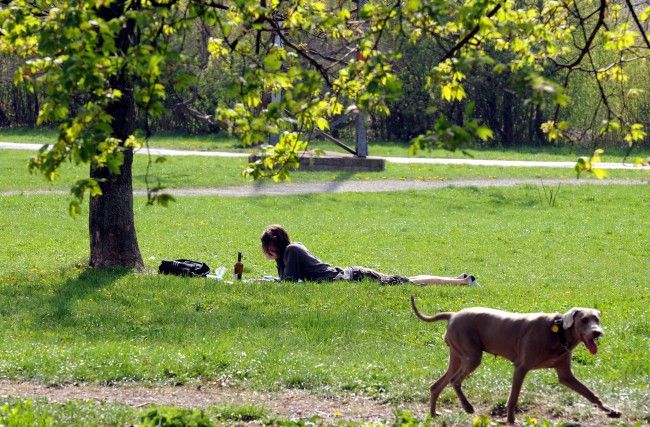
x=357 y=186
x=401 y=160
x=353 y=186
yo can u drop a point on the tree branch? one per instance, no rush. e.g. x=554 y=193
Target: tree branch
x=385 y=23
x=184 y=107
x=301 y=52
x=589 y=40
x=638 y=23
x=469 y=35
x=217 y=6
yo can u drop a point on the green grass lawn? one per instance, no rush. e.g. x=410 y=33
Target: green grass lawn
x=63 y=324
x=222 y=142
x=83 y=413
x=183 y=172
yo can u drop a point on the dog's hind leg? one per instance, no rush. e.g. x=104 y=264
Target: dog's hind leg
x=438 y=386
x=468 y=365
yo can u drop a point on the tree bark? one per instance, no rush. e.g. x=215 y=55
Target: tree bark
x=15 y=104
x=4 y=120
x=530 y=117
x=539 y=119
x=113 y=239
x=490 y=92
x=508 y=125
x=32 y=113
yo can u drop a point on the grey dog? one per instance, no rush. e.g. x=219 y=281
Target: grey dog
x=530 y=341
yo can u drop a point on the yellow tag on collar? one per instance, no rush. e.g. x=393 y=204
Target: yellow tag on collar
x=555 y=329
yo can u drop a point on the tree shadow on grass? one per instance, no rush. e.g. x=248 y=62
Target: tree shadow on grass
x=337 y=176
x=78 y=288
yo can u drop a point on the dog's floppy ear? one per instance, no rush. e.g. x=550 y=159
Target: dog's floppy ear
x=567 y=318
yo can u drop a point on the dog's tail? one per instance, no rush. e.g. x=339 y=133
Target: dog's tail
x=435 y=317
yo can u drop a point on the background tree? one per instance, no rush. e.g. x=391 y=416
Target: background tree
x=491 y=66
x=95 y=62
x=97 y=66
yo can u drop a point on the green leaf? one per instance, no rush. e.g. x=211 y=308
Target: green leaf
x=446 y=92
x=561 y=99
x=74 y=208
x=114 y=161
x=582 y=165
x=635 y=133
x=273 y=61
x=413 y=5
x=322 y=123
x=599 y=173
x=367 y=11
x=484 y=133
x=164 y=199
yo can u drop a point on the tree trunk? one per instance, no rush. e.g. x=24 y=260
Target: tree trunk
x=539 y=119
x=491 y=102
x=14 y=101
x=459 y=113
x=31 y=108
x=37 y=107
x=507 y=118
x=113 y=240
x=531 y=124
x=4 y=120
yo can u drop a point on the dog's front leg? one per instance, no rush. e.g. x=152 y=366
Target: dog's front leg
x=566 y=377
x=517 y=381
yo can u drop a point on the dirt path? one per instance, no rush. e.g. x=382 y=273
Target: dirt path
x=287 y=404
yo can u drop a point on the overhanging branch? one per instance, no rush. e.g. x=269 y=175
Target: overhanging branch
x=638 y=23
x=301 y=52
x=589 y=40
x=469 y=35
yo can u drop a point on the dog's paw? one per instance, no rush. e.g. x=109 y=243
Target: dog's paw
x=613 y=413
x=468 y=408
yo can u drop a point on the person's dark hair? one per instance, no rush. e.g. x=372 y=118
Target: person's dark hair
x=275 y=236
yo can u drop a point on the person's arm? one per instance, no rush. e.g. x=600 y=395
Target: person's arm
x=280 y=265
x=292 y=264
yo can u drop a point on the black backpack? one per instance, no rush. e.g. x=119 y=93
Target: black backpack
x=184 y=267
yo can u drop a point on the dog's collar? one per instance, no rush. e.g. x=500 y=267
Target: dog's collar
x=558 y=328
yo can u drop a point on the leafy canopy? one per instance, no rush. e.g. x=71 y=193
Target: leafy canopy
x=325 y=58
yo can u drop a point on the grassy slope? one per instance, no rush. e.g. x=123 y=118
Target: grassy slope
x=62 y=324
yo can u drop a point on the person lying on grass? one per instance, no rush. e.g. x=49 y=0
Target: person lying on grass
x=295 y=262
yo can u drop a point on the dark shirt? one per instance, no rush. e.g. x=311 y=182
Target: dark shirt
x=300 y=264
